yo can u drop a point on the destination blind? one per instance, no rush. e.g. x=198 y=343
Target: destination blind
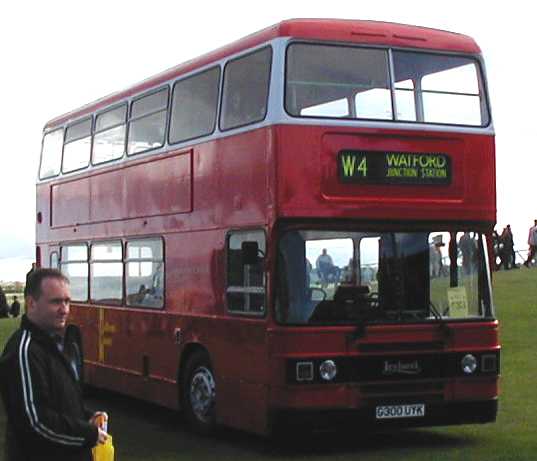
x=374 y=167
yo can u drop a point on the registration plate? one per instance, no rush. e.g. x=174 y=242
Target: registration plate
x=416 y=410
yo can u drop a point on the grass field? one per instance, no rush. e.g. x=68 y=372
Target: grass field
x=142 y=431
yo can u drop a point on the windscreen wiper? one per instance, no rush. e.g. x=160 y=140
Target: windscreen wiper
x=442 y=321
x=435 y=311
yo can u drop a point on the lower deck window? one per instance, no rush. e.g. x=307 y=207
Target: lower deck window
x=112 y=276
x=144 y=269
x=74 y=265
x=107 y=272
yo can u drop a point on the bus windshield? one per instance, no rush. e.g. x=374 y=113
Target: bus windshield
x=339 y=277
x=359 y=83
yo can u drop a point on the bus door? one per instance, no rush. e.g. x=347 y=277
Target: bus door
x=241 y=351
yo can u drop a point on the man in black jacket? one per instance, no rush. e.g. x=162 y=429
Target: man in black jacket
x=4 y=307
x=39 y=380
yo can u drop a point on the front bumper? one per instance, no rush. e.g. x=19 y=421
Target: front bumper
x=364 y=418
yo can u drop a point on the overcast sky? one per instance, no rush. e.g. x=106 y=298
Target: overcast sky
x=57 y=56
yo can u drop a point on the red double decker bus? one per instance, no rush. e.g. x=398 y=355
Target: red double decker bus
x=290 y=230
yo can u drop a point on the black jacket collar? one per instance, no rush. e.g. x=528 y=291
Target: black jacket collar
x=37 y=333
x=47 y=340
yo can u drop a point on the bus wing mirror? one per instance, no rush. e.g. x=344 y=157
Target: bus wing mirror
x=250 y=253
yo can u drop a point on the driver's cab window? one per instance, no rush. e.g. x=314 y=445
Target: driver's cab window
x=369 y=263
x=454 y=268
x=245 y=290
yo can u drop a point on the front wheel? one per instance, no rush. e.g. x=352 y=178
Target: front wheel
x=199 y=393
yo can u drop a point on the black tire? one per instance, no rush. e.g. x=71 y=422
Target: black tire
x=198 y=391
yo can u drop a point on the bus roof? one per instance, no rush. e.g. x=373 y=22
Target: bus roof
x=337 y=30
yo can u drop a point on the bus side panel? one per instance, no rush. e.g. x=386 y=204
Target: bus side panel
x=135 y=350
x=240 y=352
x=116 y=358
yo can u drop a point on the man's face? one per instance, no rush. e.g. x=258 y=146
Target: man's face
x=50 y=311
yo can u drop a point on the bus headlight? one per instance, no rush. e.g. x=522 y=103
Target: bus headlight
x=328 y=370
x=469 y=364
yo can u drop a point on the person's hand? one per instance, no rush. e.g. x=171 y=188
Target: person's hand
x=99 y=418
x=102 y=436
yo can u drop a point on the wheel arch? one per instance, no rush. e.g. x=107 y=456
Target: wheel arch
x=188 y=351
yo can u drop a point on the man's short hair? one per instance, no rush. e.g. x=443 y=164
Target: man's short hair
x=33 y=285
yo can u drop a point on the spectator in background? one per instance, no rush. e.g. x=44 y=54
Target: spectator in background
x=15 y=307
x=4 y=308
x=532 y=242
x=468 y=249
x=512 y=246
x=435 y=257
x=496 y=245
x=326 y=268
x=507 y=249
x=28 y=274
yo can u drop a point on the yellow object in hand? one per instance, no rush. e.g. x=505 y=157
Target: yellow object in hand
x=103 y=452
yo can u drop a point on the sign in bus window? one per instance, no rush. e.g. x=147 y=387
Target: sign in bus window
x=51 y=155
x=145 y=273
x=106 y=271
x=74 y=264
x=246 y=277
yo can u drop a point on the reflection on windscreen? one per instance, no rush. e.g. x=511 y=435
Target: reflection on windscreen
x=348 y=277
x=355 y=83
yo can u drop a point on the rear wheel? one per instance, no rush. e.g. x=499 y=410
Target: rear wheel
x=199 y=393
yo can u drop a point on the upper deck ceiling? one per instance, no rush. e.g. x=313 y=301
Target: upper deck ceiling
x=335 y=30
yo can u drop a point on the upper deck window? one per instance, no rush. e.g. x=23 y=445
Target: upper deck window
x=147 y=123
x=194 y=105
x=51 y=155
x=337 y=81
x=245 y=89
x=76 y=151
x=109 y=138
x=441 y=89
x=355 y=83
